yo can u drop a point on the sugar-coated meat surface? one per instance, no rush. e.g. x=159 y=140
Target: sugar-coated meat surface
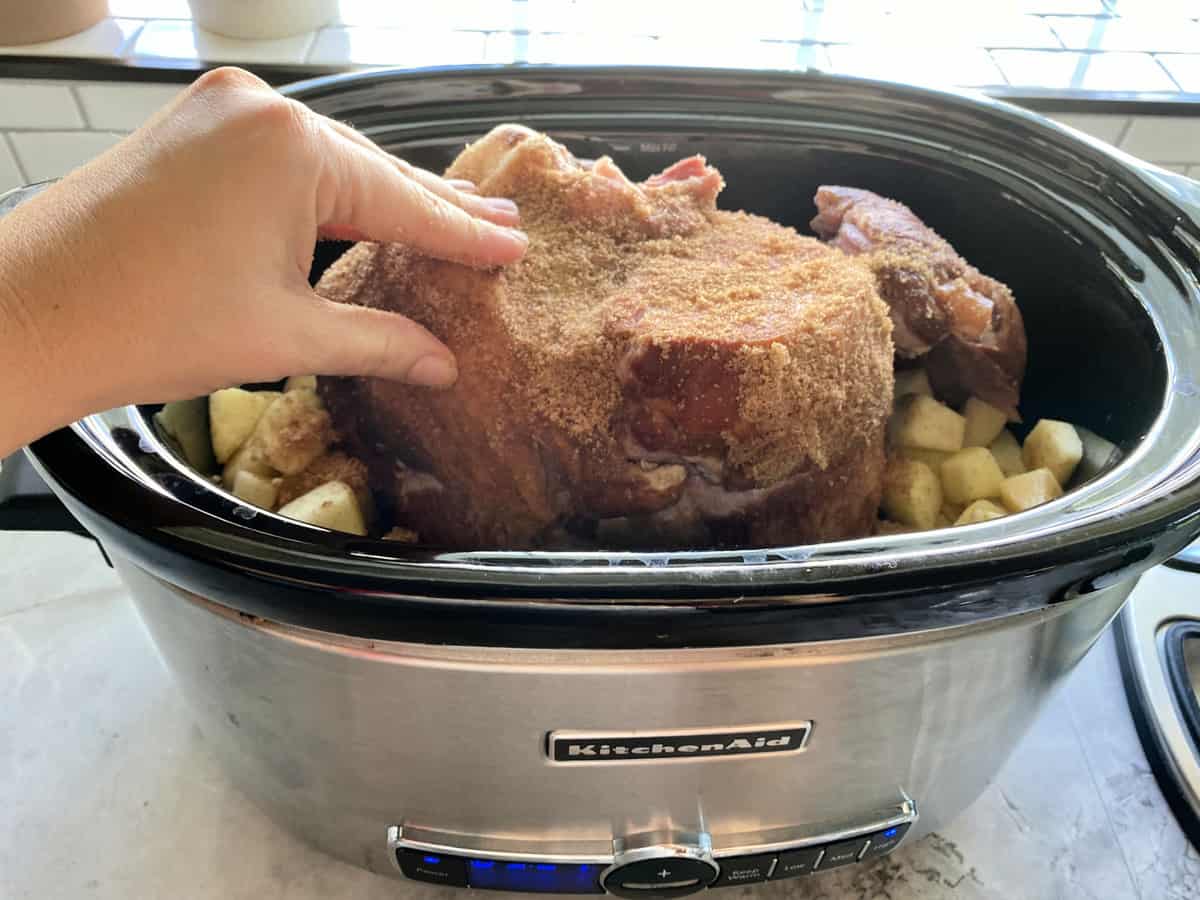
x=655 y=372
x=965 y=324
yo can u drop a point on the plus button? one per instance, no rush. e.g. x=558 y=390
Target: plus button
x=664 y=873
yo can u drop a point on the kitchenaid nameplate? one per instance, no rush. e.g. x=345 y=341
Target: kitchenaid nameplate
x=589 y=747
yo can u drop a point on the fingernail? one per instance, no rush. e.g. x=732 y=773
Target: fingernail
x=517 y=235
x=433 y=371
x=500 y=204
x=461 y=184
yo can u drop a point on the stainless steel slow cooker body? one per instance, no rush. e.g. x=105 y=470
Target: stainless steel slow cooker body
x=386 y=702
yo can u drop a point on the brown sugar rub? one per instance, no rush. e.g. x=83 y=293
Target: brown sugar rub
x=655 y=371
x=965 y=326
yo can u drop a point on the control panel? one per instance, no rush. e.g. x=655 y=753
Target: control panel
x=645 y=866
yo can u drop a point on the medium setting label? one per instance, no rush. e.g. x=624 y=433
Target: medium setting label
x=580 y=747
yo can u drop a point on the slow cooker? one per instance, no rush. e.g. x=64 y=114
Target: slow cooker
x=652 y=724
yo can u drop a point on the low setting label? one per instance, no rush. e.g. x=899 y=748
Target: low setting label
x=572 y=747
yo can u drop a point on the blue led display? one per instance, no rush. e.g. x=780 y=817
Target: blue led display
x=433 y=860
x=891 y=832
x=546 y=878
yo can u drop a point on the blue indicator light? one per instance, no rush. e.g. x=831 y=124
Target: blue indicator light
x=433 y=860
x=515 y=866
x=891 y=832
x=543 y=867
x=481 y=864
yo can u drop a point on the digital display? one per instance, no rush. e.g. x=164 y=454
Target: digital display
x=547 y=878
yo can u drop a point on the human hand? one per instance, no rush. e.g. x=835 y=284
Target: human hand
x=177 y=262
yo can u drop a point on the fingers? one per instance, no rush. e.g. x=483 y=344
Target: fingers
x=363 y=191
x=340 y=339
x=500 y=210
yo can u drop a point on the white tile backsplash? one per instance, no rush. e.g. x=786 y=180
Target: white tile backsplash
x=52 y=154
x=397 y=46
x=1107 y=128
x=942 y=67
x=123 y=107
x=150 y=9
x=185 y=40
x=1184 y=68
x=1131 y=72
x=33 y=104
x=10 y=172
x=108 y=38
x=1164 y=137
x=1165 y=34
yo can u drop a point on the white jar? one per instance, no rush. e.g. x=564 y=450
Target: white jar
x=262 y=18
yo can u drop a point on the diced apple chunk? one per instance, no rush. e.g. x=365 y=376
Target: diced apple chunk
x=294 y=431
x=1055 y=446
x=332 y=505
x=912 y=493
x=971 y=474
x=981 y=511
x=232 y=415
x=249 y=459
x=920 y=421
x=255 y=489
x=1029 y=489
x=931 y=458
x=984 y=423
x=1007 y=452
x=301 y=383
x=912 y=381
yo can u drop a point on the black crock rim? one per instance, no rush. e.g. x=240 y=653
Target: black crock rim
x=102 y=483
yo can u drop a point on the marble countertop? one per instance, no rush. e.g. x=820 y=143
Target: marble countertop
x=107 y=791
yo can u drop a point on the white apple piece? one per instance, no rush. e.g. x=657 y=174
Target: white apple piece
x=232 y=415
x=1030 y=489
x=984 y=423
x=912 y=493
x=920 y=421
x=332 y=505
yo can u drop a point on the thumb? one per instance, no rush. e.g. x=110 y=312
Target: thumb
x=340 y=339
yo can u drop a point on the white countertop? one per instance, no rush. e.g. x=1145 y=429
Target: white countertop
x=107 y=791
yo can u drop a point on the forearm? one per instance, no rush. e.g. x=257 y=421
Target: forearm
x=39 y=394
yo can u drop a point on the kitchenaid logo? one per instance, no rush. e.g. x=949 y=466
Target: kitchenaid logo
x=570 y=747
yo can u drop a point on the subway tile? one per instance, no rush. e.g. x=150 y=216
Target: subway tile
x=1155 y=9
x=1159 y=34
x=10 y=173
x=1124 y=72
x=32 y=104
x=1117 y=72
x=778 y=19
x=151 y=9
x=1163 y=137
x=52 y=154
x=476 y=15
x=947 y=67
x=105 y=39
x=772 y=55
x=1184 y=68
x=123 y=107
x=592 y=49
x=504 y=48
x=1038 y=68
x=1106 y=128
x=397 y=47
x=185 y=40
